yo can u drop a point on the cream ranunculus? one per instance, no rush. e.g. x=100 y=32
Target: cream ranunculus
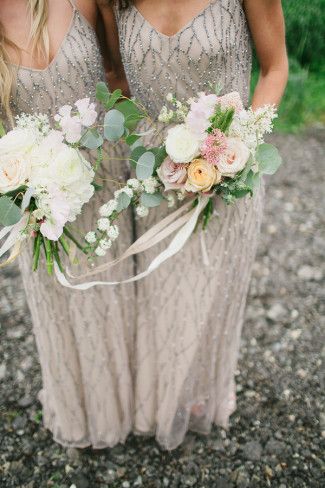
x=235 y=158
x=69 y=167
x=15 y=148
x=201 y=176
x=181 y=145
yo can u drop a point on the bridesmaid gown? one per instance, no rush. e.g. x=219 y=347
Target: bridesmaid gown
x=156 y=357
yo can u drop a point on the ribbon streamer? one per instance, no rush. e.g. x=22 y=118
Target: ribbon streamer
x=13 y=240
x=154 y=235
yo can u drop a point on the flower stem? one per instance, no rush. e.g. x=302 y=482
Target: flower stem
x=49 y=255
x=56 y=255
x=36 y=251
x=74 y=240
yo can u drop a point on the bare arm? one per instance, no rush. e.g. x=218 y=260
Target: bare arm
x=113 y=62
x=266 y=22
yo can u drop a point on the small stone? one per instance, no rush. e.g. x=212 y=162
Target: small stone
x=295 y=334
x=3 y=371
x=73 y=454
x=16 y=332
x=252 y=450
x=268 y=472
x=309 y=273
x=166 y=481
x=276 y=312
x=25 y=401
x=241 y=478
x=19 y=422
x=126 y=484
x=275 y=447
x=189 y=480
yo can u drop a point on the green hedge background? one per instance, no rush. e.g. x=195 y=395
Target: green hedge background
x=304 y=100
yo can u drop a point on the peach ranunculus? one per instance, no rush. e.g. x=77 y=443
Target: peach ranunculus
x=201 y=176
x=235 y=158
x=173 y=175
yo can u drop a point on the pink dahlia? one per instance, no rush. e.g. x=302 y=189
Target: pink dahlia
x=214 y=146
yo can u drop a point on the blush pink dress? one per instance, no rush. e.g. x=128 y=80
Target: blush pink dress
x=156 y=357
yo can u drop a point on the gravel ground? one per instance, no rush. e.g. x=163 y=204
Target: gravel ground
x=278 y=431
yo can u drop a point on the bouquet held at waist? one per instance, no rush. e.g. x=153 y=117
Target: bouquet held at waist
x=212 y=148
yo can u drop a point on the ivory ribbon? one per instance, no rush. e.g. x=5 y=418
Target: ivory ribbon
x=157 y=233
x=13 y=241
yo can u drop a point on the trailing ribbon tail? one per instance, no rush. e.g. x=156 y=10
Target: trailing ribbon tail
x=160 y=231
x=12 y=242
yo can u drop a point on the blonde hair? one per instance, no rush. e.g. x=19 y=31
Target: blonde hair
x=40 y=48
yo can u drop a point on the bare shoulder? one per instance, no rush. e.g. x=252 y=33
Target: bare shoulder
x=88 y=8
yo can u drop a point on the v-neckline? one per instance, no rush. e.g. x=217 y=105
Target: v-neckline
x=181 y=30
x=54 y=59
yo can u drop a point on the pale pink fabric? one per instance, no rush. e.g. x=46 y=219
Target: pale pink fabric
x=139 y=357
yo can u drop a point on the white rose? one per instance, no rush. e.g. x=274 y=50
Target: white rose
x=69 y=166
x=14 y=172
x=181 y=145
x=235 y=159
x=15 y=165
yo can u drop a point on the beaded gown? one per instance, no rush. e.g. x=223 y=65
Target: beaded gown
x=156 y=357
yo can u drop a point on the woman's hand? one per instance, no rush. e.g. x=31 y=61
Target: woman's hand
x=266 y=22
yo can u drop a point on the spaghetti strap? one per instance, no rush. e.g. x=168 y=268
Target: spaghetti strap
x=72 y=3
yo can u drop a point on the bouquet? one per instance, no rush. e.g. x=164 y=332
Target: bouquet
x=214 y=147
x=45 y=179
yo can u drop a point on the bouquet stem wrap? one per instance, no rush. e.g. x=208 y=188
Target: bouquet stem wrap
x=185 y=223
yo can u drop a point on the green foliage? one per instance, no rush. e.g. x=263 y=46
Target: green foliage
x=123 y=201
x=145 y=165
x=269 y=159
x=305 y=31
x=10 y=213
x=151 y=199
x=114 y=125
x=91 y=139
x=222 y=119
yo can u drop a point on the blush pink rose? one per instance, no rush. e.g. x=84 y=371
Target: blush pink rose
x=172 y=175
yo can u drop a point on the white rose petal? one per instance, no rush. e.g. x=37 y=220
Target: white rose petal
x=181 y=145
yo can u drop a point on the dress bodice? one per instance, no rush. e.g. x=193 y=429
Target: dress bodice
x=214 y=47
x=72 y=74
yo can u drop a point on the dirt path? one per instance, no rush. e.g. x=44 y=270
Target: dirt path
x=278 y=431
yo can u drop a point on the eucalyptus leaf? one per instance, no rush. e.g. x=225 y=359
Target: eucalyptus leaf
x=114 y=125
x=269 y=159
x=131 y=113
x=131 y=139
x=145 y=165
x=102 y=92
x=151 y=199
x=123 y=201
x=10 y=213
x=160 y=155
x=114 y=97
x=135 y=155
x=91 y=139
x=252 y=180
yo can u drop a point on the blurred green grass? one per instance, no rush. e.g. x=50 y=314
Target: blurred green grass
x=303 y=103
